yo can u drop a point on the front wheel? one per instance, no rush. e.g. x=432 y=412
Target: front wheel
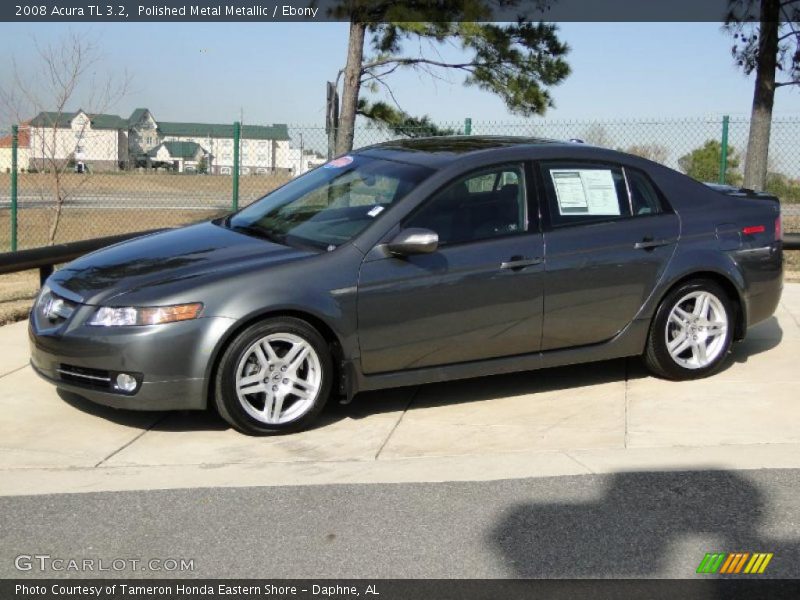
x=275 y=377
x=692 y=331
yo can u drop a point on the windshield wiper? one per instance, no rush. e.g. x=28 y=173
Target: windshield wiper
x=260 y=232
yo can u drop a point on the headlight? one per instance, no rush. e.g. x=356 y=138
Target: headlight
x=43 y=293
x=107 y=316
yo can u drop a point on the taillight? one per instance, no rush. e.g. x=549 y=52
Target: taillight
x=753 y=229
x=778 y=229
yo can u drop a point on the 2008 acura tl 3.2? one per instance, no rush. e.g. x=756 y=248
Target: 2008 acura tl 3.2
x=413 y=262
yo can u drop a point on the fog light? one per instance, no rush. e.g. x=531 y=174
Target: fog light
x=126 y=383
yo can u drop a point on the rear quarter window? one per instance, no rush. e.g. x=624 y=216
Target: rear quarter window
x=645 y=198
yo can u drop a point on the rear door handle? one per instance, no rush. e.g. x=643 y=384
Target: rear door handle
x=649 y=243
x=520 y=262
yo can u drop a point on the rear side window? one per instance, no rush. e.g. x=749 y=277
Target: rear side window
x=645 y=200
x=580 y=193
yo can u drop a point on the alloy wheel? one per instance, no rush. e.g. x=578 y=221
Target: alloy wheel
x=278 y=378
x=696 y=330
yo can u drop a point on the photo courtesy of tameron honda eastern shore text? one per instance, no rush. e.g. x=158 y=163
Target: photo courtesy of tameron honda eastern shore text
x=412 y=262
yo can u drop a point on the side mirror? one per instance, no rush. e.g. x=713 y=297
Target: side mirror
x=414 y=240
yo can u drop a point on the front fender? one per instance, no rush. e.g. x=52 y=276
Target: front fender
x=323 y=291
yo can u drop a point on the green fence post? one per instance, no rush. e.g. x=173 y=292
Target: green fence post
x=14 y=144
x=723 y=159
x=237 y=134
x=468 y=126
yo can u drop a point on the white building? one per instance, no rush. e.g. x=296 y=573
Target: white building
x=109 y=142
x=301 y=161
x=183 y=157
x=263 y=148
x=99 y=140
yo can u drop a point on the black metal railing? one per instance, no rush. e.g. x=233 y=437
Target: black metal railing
x=46 y=257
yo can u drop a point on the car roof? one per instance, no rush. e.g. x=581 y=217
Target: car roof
x=438 y=152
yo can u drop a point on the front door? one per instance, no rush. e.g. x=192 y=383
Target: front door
x=480 y=295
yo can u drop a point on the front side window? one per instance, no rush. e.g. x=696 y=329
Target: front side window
x=580 y=193
x=330 y=205
x=483 y=205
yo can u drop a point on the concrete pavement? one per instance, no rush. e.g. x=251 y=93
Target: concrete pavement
x=600 y=418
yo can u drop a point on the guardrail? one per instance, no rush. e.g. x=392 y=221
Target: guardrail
x=47 y=257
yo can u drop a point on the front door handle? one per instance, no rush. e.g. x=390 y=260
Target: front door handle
x=649 y=243
x=520 y=262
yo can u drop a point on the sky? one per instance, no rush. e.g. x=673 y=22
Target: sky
x=276 y=72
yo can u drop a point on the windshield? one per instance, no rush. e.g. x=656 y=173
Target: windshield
x=331 y=204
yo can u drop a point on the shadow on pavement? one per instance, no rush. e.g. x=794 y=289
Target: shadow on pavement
x=172 y=420
x=646 y=524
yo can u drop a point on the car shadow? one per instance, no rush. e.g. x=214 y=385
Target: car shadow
x=761 y=338
x=479 y=389
x=147 y=419
x=645 y=524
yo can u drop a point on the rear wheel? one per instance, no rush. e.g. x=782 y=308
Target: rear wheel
x=692 y=331
x=274 y=377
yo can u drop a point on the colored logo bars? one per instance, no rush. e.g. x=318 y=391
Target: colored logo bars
x=734 y=563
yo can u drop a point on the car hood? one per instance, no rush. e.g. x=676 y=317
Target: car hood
x=178 y=255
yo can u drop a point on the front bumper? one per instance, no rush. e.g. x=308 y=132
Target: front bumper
x=171 y=361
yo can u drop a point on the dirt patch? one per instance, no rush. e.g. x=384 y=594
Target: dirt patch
x=16 y=295
x=16 y=310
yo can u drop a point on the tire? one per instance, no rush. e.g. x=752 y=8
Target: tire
x=275 y=377
x=667 y=354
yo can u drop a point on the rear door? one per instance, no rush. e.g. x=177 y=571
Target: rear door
x=609 y=235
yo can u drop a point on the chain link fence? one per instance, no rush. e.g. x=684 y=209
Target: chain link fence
x=80 y=177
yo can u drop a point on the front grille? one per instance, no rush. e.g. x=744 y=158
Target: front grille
x=84 y=376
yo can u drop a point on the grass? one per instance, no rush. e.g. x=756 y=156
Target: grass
x=216 y=187
x=83 y=224
x=16 y=294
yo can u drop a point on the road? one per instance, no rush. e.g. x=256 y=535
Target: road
x=647 y=524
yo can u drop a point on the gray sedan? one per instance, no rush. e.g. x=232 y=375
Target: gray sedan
x=413 y=262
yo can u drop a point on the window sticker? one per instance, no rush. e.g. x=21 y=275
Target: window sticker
x=338 y=163
x=375 y=211
x=585 y=192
